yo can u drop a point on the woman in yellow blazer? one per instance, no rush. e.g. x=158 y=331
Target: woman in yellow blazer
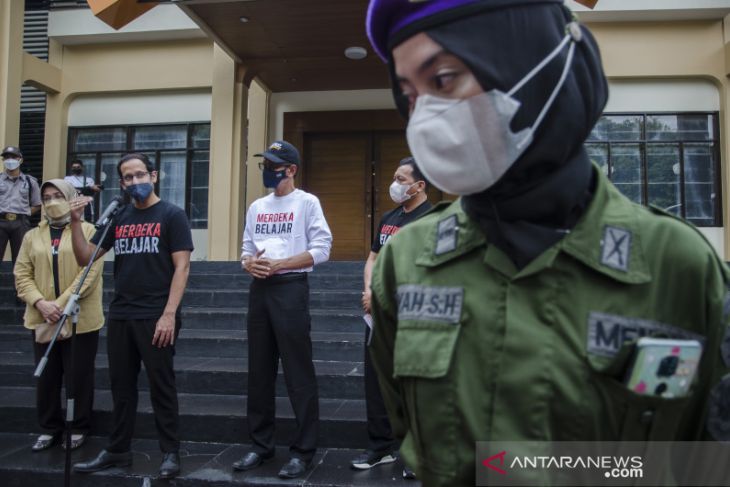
x=46 y=274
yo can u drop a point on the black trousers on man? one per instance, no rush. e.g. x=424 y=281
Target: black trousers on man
x=380 y=434
x=13 y=231
x=79 y=383
x=128 y=343
x=279 y=327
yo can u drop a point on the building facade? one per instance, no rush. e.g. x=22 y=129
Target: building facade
x=202 y=86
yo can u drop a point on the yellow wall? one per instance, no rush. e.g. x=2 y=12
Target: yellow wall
x=11 y=69
x=118 y=68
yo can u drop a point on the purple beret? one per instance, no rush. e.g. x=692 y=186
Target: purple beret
x=386 y=18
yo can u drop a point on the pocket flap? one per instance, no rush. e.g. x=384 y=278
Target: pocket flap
x=424 y=349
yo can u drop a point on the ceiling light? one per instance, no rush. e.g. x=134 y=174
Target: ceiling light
x=243 y=19
x=356 y=52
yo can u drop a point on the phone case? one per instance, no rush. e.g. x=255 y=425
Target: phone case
x=664 y=367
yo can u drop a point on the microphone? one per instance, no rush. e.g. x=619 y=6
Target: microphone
x=110 y=211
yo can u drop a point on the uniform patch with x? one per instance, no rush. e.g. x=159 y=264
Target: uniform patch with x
x=616 y=248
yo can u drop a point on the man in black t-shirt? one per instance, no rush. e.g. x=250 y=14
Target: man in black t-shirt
x=152 y=244
x=409 y=191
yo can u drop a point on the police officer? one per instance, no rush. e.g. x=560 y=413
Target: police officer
x=285 y=236
x=408 y=191
x=509 y=313
x=20 y=197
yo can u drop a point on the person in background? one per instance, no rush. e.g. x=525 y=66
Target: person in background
x=20 y=198
x=511 y=313
x=84 y=186
x=286 y=235
x=408 y=190
x=46 y=274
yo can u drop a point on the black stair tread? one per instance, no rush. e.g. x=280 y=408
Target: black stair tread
x=225 y=405
x=216 y=334
x=204 y=364
x=202 y=464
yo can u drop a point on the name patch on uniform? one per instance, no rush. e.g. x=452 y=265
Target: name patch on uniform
x=446 y=236
x=616 y=248
x=427 y=303
x=607 y=333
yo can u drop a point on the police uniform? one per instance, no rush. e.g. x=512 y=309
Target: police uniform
x=470 y=349
x=17 y=196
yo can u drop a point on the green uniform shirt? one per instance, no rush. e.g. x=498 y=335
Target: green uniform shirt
x=468 y=348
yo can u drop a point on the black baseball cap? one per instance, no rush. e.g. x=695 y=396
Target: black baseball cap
x=12 y=151
x=281 y=152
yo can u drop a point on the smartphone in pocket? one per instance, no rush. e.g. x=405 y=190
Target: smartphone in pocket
x=664 y=367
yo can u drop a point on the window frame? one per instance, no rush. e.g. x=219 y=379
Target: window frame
x=643 y=144
x=130 y=129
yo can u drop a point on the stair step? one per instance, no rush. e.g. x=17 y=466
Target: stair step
x=203 y=464
x=203 y=417
x=338 y=346
x=329 y=298
x=229 y=318
x=335 y=380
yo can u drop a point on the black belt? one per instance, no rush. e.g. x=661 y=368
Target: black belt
x=287 y=277
x=11 y=217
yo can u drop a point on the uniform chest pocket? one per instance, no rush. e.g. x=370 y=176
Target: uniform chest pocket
x=3 y=188
x=423 y=363
x=630 y=416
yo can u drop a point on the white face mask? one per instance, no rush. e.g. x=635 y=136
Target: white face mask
x=399 y=192
x=465 y=146
x=11 y=164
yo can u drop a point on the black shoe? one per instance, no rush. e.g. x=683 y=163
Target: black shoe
x=104 y=460
x=45 y=443
x=250 y=460
x=295 y=468
x=408 y=473
x=170 y=465
x=369 y=459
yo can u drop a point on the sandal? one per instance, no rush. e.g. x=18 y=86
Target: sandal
x=76 y=441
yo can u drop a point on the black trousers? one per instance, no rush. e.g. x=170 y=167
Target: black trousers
x=13 y=232
x=78 y=378
x=279 y=327
x=128 y=342
x=380 y=435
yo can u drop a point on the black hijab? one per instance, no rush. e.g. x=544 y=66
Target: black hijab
x=547 y=189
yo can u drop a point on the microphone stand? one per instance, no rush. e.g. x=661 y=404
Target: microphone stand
x=72 y=309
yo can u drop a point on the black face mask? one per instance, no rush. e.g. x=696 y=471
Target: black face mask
x=77 y=171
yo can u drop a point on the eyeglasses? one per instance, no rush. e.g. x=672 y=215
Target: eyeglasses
x=271 y=166
x=128 y=178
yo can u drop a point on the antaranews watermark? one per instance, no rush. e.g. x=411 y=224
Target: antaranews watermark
x=602 y=463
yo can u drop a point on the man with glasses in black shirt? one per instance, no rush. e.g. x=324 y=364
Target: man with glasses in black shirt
x=152 y=245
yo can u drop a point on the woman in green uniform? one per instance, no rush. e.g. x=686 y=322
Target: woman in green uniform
x=511 y=314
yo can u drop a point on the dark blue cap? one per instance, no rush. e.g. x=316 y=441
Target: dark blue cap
x=281 y=152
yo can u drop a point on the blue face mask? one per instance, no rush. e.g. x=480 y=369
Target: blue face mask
x=139 y=192
x=273 y=178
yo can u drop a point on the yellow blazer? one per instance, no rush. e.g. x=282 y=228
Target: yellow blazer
x=34 y=277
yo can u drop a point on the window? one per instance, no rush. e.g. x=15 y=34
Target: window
x=670 y=160
x=180 y=153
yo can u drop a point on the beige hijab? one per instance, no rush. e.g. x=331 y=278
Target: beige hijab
x=69 y=192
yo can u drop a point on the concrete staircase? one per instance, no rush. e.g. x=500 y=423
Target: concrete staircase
x=212 y=376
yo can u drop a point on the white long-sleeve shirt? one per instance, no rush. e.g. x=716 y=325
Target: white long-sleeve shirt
x=285 y=226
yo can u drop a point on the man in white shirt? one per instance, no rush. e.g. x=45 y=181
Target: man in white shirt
x=286 y=234
x=84 y=186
